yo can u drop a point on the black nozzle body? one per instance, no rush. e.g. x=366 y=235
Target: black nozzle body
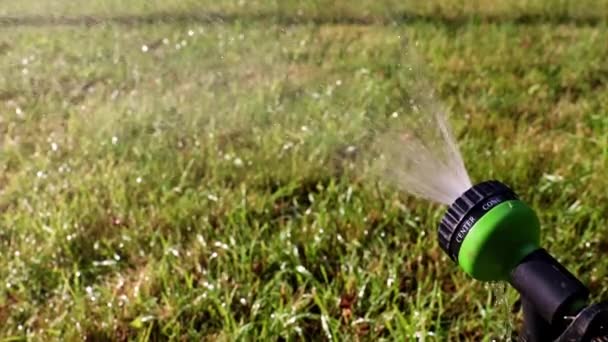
x=553 y=291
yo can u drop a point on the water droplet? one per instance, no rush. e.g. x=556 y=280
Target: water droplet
x=287 y=146
x=302 y=270
x=221 y=245
x=553 y=178
x=108 y=262
x=201 y=240
x=148 y=318
x=325 y=326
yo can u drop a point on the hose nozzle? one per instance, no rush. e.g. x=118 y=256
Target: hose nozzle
x=488 y=231
x=493 y=236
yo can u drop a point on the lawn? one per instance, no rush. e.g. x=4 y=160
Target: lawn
x=200 y=170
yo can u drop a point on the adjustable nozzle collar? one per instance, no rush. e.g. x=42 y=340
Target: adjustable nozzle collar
x=467 y=210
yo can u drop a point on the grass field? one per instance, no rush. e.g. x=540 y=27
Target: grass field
x=195 y=170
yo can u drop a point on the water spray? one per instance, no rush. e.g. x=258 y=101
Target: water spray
x=487 y=230
x=494 y=236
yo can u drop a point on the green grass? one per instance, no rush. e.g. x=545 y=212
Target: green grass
x=204 y=188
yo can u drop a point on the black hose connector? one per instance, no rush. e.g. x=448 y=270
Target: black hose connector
x=549 y=287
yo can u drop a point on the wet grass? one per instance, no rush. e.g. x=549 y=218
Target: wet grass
x=202 y=179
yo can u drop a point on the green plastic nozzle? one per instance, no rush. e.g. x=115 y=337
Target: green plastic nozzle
x=493 y=236
x=488 y=231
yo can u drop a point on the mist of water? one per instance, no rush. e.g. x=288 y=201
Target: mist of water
x=416 y=149
x=501 y=305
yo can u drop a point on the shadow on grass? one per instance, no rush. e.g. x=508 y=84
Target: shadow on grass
x=279 y=18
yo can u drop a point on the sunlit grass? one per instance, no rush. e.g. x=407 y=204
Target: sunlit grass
x=204 y=179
